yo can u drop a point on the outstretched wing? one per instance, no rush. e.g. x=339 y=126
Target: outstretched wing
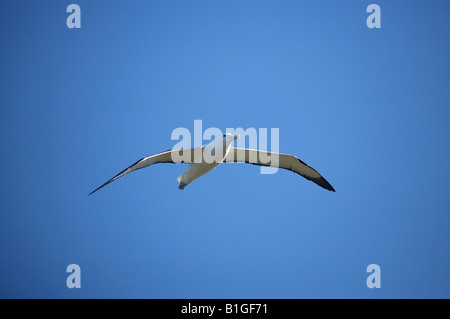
x=171 y=156
x=285 y=161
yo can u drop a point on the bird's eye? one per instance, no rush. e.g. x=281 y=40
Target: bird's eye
x=224 y=135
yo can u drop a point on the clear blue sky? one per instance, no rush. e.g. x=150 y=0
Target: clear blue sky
x=368 y=108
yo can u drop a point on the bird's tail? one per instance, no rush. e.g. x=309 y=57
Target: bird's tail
x=180 y=180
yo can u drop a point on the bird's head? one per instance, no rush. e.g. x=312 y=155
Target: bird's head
x=229 y=138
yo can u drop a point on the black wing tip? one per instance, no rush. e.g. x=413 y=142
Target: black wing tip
x=111 y=180
x=115 y=177
x=322 y=182
x=95 y=190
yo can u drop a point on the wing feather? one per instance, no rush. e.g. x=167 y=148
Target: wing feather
x=285 y=161
x=170 y=156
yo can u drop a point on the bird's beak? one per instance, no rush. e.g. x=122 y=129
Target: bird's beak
x=236 y=137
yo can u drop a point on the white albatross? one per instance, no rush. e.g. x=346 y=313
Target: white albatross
x=229 y=154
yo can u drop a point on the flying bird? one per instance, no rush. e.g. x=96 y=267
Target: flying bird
x=203 y=159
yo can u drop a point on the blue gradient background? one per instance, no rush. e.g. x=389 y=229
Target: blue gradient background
x=367 y=108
